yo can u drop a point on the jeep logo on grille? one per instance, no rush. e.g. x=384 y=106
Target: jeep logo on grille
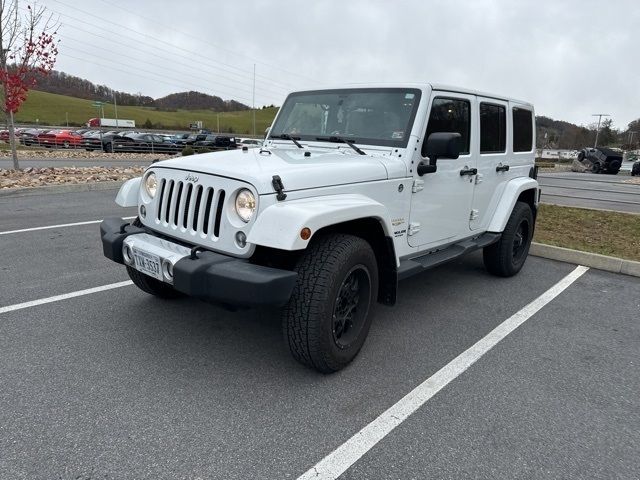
x=191 y=178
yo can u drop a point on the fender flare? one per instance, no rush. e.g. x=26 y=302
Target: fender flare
x=508 y=200
x=279 y=225
x=128 y=194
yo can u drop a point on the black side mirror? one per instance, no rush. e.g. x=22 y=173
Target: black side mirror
x=440 y=145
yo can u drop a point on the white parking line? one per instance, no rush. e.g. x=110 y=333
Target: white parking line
x=338 y=461
x=62 y=225
x=64 y=296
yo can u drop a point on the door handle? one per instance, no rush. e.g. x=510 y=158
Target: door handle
x=502 y=168
x=468 y=171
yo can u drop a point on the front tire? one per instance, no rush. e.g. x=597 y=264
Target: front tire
x=506 y=257
x=327 y=318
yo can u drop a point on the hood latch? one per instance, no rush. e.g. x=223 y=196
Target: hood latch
x=276 y=181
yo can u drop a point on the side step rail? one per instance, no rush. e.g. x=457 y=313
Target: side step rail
x=419 y=264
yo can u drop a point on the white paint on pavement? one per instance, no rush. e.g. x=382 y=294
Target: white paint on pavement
x=338 y=461
x=62 y=225
x=64 y=296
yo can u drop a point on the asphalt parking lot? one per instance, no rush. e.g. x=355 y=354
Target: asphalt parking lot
x=115 y=384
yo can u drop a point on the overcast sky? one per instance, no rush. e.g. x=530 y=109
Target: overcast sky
x=569 y=58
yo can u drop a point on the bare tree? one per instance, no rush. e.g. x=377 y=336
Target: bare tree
x=27 y=47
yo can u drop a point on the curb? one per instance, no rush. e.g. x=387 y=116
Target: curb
x=592 y=260
x=64 y=188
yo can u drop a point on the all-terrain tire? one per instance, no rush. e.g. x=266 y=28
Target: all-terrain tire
x=614 y=167
x=506 y=257
x=328 y=316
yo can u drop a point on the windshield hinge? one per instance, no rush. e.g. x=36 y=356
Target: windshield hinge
x=418 y=185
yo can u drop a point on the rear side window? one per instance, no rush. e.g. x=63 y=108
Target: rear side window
x=522 y=130
x=450 y=115
x=493 y=128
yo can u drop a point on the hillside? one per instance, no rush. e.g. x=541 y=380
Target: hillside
x=64 y=84
x=198 y=101
x=52 y=109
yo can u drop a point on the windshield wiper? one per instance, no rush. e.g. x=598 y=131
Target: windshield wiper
x=348 y=141
x=286 y=136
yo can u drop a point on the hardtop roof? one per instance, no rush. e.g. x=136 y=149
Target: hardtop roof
x=423 y=86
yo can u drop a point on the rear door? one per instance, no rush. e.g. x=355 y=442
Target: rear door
x=493 y=159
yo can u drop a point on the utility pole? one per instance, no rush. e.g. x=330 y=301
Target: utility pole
x=115 y=106
x=253 y=100
x=599 y=115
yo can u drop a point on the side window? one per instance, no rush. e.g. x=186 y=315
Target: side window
x=450 y=115
x=493 y=128
x=522 y=130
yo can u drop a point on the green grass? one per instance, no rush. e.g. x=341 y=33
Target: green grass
x=51 y=109
x=607 y=233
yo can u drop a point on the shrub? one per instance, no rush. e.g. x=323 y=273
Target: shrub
x=187 y=151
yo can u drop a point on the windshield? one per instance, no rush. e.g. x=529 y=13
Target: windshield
x=369 y=116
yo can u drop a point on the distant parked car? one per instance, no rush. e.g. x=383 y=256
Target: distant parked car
x=635 y=169
x=147 y=143
x=216 y=142
x=28 y=136
x=60 y=138
x=250 y=143
x=180 y=138
x=190 y=139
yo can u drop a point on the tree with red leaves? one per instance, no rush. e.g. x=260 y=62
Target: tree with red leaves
x=27 y=48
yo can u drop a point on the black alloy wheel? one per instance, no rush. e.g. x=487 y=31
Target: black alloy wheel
x=520 y=241
x=348 y=312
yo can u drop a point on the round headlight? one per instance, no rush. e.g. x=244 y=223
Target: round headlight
x=245 y=205
x=151 y=184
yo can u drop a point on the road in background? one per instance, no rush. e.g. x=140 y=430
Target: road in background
x=119 y=384
x=609 y=192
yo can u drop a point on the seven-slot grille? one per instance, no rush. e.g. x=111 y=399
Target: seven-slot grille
x=190 y=207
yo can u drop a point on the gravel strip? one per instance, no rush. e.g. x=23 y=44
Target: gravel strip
x=38 y=177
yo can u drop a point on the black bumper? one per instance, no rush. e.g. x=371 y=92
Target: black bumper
x=211 y=276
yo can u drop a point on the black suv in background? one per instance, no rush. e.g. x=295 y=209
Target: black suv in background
x=601 y=160
x=218 y=142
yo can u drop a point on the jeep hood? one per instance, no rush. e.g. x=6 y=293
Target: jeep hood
x=320 y=169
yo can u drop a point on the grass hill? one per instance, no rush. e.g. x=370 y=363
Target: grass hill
x=51 y=109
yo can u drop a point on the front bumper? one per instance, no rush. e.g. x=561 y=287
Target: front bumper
x=206 y=275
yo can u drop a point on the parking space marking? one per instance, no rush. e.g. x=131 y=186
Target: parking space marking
x=338 y=461
x=62 y=225
x=64 y=296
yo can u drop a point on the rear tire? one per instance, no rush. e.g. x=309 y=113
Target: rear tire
x=614 y=167
x=506 y=257
x=327 y=318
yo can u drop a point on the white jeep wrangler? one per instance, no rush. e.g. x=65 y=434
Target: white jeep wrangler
x=354 y=189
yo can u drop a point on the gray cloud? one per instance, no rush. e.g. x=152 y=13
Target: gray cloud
x=570 y=58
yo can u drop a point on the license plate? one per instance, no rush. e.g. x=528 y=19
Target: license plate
x=147 y=263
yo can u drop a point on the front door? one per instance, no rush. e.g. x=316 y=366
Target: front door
x=441 y=207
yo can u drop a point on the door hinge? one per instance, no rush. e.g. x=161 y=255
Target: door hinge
x=418 y=185
x=474 y=214
x=414 y=227
x=479 y=178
